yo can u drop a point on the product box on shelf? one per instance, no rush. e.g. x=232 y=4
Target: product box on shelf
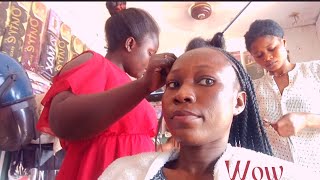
x=4 y=20
x=14 y=36
x=63 y=47
x=34 y=36
x=49 y=49
x=76 y=47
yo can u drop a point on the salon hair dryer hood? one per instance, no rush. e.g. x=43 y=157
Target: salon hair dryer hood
x=18 y=113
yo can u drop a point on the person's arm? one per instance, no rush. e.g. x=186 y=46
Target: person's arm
x=291 y=123
x=170 y=144
x=75 y=117
x=313 y=120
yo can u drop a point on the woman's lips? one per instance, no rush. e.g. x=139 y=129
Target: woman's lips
x=184 y=116
x=270 y=64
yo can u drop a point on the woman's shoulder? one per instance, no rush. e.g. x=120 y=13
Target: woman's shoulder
x=312 y=61
x=81 y=60
x=309 y=68
x=129 y=167
x=309 y=64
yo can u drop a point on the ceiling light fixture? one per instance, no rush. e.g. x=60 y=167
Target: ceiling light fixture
x=200 y=10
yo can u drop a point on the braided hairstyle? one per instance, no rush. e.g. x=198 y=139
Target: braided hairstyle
x=216 y=41
x=247 y=128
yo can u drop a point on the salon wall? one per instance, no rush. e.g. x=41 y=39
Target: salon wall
x=303 y=43
x=318 y=27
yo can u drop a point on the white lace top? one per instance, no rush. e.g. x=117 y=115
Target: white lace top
x=251 y=165
x=301 y=95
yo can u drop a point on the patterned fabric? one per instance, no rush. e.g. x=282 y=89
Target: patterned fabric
x=251 y=165
x=301 y=95
x=131 y=134
x=159 y=175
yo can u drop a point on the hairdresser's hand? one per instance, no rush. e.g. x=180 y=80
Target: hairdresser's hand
x=290 y=124
x=170 y=144
x=158 y=69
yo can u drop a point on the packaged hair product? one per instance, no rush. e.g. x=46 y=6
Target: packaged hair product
x=50 y=46
x=13 y=38
x=76 y=47
x=4 y=20
x=85 y=47
x=63 y=45
x=34 y=33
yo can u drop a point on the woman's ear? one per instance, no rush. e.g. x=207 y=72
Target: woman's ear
x=130 y=43
x=240 y=103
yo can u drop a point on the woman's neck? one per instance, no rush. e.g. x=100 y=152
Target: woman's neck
x=284 y=69
x=115 y=58
x=199 y=160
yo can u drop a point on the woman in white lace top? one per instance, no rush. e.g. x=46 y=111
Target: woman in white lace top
x=288 y=96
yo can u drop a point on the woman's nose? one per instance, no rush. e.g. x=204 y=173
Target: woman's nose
x=269 y=57
x=185 y=95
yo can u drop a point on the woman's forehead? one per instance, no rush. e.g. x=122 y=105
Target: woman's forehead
x=201 y=56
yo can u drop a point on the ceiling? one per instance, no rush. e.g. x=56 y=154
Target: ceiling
x=177 y=26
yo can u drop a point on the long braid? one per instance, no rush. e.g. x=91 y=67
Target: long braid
x=247 y=129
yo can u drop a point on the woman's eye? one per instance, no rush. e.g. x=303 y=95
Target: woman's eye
x=206 y=82
x=257 y=55
x=172 y=84
x=272 y=49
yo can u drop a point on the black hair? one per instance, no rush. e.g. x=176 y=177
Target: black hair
x=197 y=42
x=260 y=28
x=131 y=22
x=217 y=41
x=113 y=5
x=247 y=128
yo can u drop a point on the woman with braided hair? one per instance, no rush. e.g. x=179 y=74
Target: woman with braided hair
x=288 y=96
x=208 y=102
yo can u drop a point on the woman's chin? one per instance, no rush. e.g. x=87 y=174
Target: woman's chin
x=189 y=141
x=135 y=76
x=138 y=75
